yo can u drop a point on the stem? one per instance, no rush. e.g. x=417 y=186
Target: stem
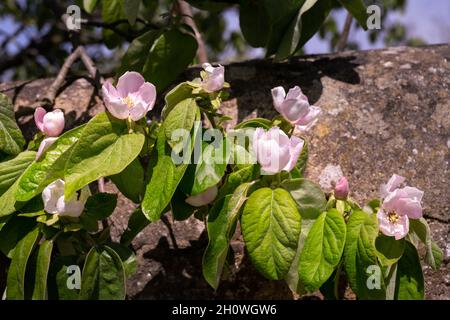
x=336 y=281
x=345 y=32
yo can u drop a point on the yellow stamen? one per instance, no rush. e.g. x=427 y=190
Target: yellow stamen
x=128 y=101
x=393 y=217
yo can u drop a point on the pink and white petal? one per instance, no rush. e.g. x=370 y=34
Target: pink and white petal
x=295 y=149
x=138 y=111
x=54 y=123
x=311 y=116
x=45 y=144
x=129 y=82
x=278 y=95
x=146 y=95
x=394 y=182
x=297 y=94
x=294 y=110
x=413 y=193
x=401 y=227
x=39 y=114
x=409 y=207
x=385 y=226
x=110 y=92
x=117 y=108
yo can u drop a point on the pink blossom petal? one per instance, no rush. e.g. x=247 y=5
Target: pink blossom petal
x=117 y=108
x=203 y=198
x=295 y=148
x=278 y=95
x=310 y=117
x=413 y=193
x=45 y=144
x=110 y=92
x=398 y=229
x=51 y=195
x=409 y=207
x=138 y=111
x=342 y=189
x=129 y=82
x=394 y=182
x=146 y=95
x=54 y=123
x=296 y=93
x=39 y=114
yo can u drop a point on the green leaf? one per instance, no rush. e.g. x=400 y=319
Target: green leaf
x=49 y=167
x=89 y=5
x=358 y=11
x=255 y=123
x=164 y=176
x=389 y=250
x=12 y=169
x=11 y=139
x=137 y=222
x=221 y=226
x=235 y=179
x=101 y=205
x=58 y=278
x=131 y=10
x=311 y=202
x=182 y=117
x=104 y=148
x=137 y=52
x=130 y=181
x=211 y=167
x=127 y=256
x=360 y=254
x=171 y=53
x=16 y=274
x=180 y=209
x=322 y=249
x=103 y=276
x=15 y=229
x=434 y=254
x=271 y=227
x=41 y=268
x=254 y=23
x=179 y=93
x=112 y=11
x=8 y=201
x=410 y=283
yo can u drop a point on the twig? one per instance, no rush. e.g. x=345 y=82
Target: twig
x=345 y=33
x=169 y=227
x=90 y=66
x=185 y=12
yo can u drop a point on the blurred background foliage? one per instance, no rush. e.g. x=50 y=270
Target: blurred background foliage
x=34 y=40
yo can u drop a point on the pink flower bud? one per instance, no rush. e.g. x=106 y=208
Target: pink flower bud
x=274 y=150
x=341 y=190
x=45 y=144
x=203 y=198
x=49 y=123
x=295 y=107
x=132 y=98
x=213 y=78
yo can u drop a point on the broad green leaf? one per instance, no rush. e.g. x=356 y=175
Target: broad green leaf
x=179 y=93
x=311 y=202
x=434 y=254
x=103 y=276
x=112 y=11
x=182 y=117
x=389 y=250
x=360 y=254
x=254 y=23
x=221 y=226
x=101 y=205
x=127 y=256
x=12 y=169
x=49 y=167
x=131 y=8
x=14 y=229
x=164 y=176
x=8 y=200
x=41 y=267
x=271 y=226
x=235 y=179
x=16 y=273
x=171 y=53
x=62 y=278
x=410 y=283
x=254 y=123
x=89 y=5
x=11 y=139
x=137 y=222
x=104 y=148
x=358 y=11
x=180 y=209
x=322 y=249
x=211 y=167
x=137 y=52
x=130 y=181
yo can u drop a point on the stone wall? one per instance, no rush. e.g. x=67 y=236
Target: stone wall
x=385 y=111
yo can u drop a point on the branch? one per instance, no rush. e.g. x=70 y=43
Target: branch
x=345 y=32
x=184 y=11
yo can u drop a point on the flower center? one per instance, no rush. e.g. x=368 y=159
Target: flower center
x=128 y=101
x=393 y=217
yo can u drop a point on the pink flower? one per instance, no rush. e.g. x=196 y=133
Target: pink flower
x=132 y=98
x=49 y=123
x=45 y=144
x=203 y=198
x=295 y=107
x=212 y=78
x=55 y=202
x=399 y=205
x=342 y=189
x=274 y=150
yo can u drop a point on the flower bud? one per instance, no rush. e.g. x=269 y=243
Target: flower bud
x=341 y=190
x=49 y=123
x=213 y=78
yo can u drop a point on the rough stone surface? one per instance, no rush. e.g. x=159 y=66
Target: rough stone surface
x=385 y=111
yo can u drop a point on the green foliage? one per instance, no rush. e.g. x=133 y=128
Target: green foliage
x=410 y=283
x=12 y=169
x=11 y=139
